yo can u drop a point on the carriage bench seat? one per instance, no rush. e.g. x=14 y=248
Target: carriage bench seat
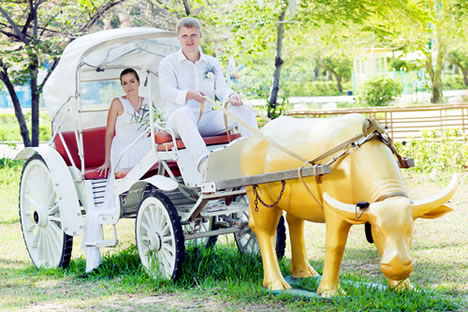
x=165 y=143
x=94 y=150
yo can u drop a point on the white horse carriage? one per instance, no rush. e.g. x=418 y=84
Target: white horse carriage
x=164 y=191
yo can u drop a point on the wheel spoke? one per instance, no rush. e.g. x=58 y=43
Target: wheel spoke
x=146 y=227
x=166 y=239
x=169 y=247
x=48 y=253
x=163 y=220
x=56 y=219
x=165 y=230
x=52 y=195
x=54 y=247
x=37 y=238
x=167 y=258
x=53 y=209
x=41 y=246
x=32 y=201
x=28 y=227
x=55 y=234
x=153 y=217
x=160 y=218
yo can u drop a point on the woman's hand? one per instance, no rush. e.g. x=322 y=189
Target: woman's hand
x=102 y=170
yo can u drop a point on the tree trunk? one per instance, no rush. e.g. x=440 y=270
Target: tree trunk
x=186 y=7
x=34 y=107
x=436 y=76
x=338 y=80
x=272 y=103
x=33 y=67
x=465 y=77
x=16 y=104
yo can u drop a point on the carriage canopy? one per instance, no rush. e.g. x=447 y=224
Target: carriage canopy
x=80 y=89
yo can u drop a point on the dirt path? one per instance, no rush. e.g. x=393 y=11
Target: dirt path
x=160 y=303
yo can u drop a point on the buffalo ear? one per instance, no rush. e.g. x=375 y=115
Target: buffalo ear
x=436 y=213
x=346 y=211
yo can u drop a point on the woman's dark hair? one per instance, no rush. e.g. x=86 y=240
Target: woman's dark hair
x=129 y=71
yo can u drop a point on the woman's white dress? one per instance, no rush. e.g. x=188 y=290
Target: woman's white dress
x=128 y=127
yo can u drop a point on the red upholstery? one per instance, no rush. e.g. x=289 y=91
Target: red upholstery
x=93 y=147
x=165 y=143
x=94 y=150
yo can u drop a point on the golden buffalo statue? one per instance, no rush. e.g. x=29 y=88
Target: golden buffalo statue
x=368 y=174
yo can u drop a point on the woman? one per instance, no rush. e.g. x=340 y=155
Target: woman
x=123 y=119
x=126 y=118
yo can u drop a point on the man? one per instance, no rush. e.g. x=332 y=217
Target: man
x=185 y=78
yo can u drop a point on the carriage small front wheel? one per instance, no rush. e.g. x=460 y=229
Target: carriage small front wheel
x=41 y=222
x=159 y=236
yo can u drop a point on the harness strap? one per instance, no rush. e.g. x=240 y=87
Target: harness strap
x=253 y=130
x=392 y=194
x=226 y=122
x=368 y=127
x=389 y=142
x=202 y=109
x=299 y=173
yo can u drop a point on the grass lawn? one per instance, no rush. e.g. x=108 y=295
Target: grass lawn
x=223 y=279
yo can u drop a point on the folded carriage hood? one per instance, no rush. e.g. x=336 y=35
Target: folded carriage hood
x=111 y=50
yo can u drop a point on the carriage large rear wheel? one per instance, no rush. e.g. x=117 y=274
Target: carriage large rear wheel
x=41 y=222
x=159 y=236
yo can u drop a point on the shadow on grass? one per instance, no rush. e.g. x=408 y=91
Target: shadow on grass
x=10 y=221
x=223 y=271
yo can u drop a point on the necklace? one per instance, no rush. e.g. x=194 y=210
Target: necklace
x=137 y=107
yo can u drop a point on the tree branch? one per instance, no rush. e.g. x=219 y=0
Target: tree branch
x=98 y=14
x=52 y=67
x=20 y=35
x=9 y=34
x=28 y=21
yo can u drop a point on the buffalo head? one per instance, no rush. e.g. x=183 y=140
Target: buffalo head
x=392 y=223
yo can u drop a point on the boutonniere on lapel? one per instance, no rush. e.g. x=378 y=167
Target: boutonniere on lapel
x=209 y=72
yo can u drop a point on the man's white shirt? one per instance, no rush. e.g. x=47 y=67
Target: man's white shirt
x=177 y=75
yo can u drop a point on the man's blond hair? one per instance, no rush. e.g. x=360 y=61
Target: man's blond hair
x=188 y=22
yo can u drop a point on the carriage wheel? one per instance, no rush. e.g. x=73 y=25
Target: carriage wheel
x=159 y=236
x=41 y=222
x=247 y=242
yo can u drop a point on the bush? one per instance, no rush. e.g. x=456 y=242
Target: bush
x=9 y=127
x=312 y=88
x=437 y=150
x=453 y=82
x=378 y=91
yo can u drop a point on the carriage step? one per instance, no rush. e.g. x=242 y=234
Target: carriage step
x=103 y=243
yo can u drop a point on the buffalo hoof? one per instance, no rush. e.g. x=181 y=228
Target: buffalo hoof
x=327 y=293
x=303 y=272
x=279 y=284
x=400 y=285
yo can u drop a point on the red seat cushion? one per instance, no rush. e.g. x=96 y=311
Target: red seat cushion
x=165 y=142
x=93 y=147
x=92 y=174
x=94 y=150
